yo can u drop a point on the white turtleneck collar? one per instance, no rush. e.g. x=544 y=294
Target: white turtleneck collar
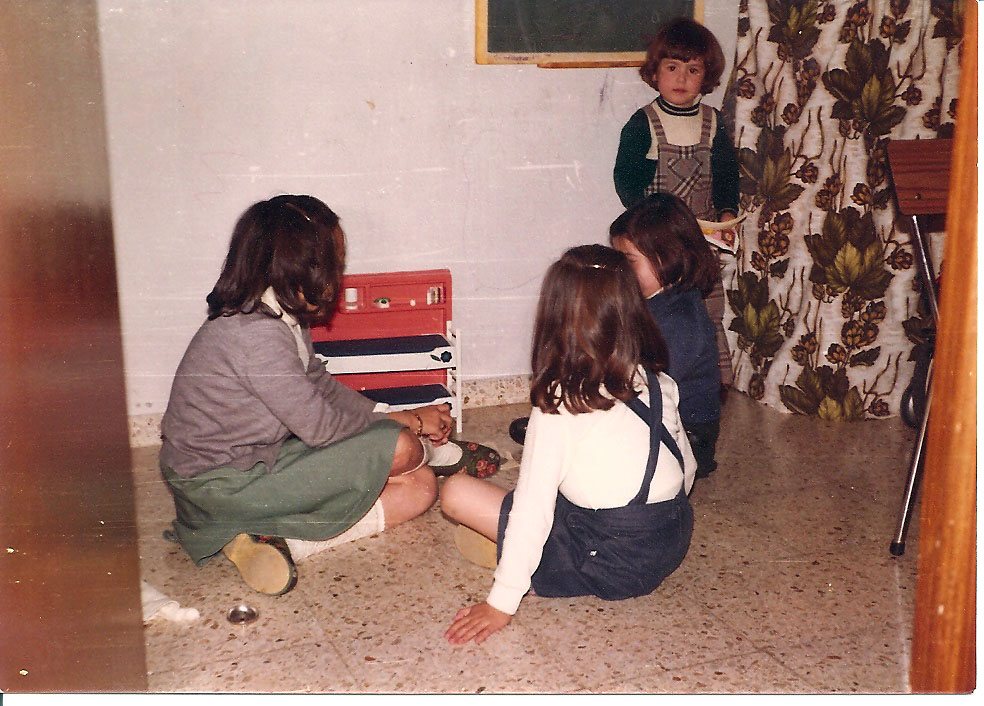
x=270 y=299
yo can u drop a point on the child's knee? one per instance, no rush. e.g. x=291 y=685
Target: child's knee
x=423 y=488
x=453 y=494
x=409 y=496
x=409 y=453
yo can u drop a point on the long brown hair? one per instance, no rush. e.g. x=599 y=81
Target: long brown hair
x=592 y=331
x=291 y=243
x=666 y=232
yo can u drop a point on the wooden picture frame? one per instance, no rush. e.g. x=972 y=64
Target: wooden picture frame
x=572 y=33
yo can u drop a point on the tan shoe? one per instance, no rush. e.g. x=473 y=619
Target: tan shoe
x=264 y=562
x=475 y=547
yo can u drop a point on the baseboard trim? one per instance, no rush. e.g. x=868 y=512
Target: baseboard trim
x=145 y=429
x=493 y=392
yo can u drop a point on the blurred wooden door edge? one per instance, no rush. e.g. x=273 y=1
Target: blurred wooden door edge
x=944 y=639
x=70 y=613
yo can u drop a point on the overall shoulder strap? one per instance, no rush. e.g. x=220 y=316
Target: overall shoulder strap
x=655 y=123
x=653 y=416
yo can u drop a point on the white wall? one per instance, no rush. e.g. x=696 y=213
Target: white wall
x=378 y=108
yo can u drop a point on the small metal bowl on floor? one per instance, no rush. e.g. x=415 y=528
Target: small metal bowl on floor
x=242 y=614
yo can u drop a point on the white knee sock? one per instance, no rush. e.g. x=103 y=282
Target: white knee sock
x=373 y=522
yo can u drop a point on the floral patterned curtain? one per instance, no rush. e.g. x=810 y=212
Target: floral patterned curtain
x=825 y=303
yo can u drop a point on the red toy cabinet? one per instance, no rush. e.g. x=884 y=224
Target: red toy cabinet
x=392 y=338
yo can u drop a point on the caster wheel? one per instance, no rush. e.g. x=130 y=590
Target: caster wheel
x=907 y=408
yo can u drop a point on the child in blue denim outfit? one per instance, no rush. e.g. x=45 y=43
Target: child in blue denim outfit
x=675 y=267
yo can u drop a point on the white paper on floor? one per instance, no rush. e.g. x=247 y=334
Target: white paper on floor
x=156 y=604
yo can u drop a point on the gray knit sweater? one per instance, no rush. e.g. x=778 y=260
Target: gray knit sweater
x=241 y=390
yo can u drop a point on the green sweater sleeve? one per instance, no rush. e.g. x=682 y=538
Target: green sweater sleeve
x=633 y=171
x=724 y=170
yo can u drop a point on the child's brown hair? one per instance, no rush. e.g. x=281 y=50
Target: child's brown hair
x=665 y=231
x=592 y=331
x=294 y=244
x=684 y=40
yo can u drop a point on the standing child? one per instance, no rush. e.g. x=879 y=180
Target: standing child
x=675 y=266
x=677 y=145
x=270 y=459
x=601 y=504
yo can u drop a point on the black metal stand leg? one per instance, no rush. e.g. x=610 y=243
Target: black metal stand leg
x=897 y=547
x=925 y=266
x=920 y=250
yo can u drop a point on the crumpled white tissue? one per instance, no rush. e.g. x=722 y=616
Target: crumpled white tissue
x=156 y=603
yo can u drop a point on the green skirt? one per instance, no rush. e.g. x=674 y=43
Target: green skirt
x=311 y=493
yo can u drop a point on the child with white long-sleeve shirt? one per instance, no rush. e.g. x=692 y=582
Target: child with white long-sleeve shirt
x=605 y=448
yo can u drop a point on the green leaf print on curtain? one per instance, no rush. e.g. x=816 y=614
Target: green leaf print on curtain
x=824 y=306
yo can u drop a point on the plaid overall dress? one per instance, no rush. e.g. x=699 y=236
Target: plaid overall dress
x=685 y=171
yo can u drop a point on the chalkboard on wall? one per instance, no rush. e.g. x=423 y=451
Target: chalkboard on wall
x=572 y=33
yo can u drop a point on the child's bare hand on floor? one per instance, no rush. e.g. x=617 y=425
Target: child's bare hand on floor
x=476 y=622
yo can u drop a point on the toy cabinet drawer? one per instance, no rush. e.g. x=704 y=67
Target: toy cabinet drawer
x=399 y=398
x=371 y=355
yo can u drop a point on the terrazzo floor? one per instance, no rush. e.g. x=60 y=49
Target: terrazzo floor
x=789 y=587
